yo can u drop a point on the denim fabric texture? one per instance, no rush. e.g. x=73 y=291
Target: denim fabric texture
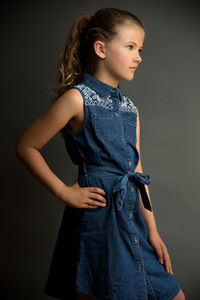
x=105 y=252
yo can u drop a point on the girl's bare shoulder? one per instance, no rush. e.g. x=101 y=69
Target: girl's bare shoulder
x=71 y=99
x=66 y=107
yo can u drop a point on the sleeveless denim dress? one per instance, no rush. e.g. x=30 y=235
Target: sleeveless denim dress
x=104 y=252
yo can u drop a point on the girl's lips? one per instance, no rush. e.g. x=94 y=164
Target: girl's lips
x=133 y=68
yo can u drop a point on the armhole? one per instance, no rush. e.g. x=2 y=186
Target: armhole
x=85 y=113
x=136 y=109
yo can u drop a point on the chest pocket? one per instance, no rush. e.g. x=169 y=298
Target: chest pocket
x=130 y=131
x=105 y=126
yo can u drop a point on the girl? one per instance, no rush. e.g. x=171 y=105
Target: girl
x=108 y=246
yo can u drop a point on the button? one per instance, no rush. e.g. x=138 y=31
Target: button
x=122 y=139
x=132 y=188
x=139 y=266
x=135 y=239
x=130 y=215
x=130 y=162
x=117 y=115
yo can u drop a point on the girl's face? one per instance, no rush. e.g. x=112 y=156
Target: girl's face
x=122 y=54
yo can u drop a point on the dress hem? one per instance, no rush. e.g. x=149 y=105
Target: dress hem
x=177 y=291
x=92 y=295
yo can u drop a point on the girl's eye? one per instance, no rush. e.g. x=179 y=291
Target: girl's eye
x=140 y=50
x=130 y=46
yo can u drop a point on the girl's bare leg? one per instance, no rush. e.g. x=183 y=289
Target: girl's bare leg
x=80 y=296
x=180 y=296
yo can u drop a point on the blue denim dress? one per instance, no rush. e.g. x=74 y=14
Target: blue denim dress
x=104 y=252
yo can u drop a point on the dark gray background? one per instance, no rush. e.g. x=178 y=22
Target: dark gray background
x=166 y=92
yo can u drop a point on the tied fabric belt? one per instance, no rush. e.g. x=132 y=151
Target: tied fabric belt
x=140 y=179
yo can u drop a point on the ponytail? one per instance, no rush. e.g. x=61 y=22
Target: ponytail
x=71 y=64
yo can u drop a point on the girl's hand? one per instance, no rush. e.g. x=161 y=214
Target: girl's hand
x=83 y=197
x=161 y=250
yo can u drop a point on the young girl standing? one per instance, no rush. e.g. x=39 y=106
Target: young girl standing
x=108 y=246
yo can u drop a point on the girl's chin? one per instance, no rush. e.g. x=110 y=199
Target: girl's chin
x=131 y=76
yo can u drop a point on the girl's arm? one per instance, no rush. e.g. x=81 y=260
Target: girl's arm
x=68 y=106
x=40 y=132
x=147 y=215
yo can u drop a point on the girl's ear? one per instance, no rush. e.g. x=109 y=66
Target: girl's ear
x=99 y=48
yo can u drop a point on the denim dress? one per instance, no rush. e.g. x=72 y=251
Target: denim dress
x=105 y=252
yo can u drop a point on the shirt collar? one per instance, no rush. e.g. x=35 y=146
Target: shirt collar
x=99 y=86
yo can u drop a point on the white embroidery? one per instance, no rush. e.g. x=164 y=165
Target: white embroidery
x=127 y=105
x=93 y=98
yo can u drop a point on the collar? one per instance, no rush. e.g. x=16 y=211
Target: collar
x=99 y=86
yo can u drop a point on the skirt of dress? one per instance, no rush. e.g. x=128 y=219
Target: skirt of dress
x=105 y=252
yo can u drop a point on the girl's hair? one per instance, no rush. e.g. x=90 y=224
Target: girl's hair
x=78 y=54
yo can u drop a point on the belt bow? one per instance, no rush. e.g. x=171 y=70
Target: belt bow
x=140 y=180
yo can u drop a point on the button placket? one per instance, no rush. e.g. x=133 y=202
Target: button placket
x=130 y=214
x=136 y=250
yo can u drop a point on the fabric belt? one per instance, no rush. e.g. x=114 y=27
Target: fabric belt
x=140 y=179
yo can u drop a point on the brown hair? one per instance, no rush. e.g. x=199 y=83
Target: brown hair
x=78 y=53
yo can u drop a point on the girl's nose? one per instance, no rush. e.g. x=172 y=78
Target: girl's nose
x=137 y=58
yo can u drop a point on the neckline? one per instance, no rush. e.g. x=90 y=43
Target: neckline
x=99 y=86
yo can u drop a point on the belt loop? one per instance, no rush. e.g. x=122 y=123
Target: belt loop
x=82 y=169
